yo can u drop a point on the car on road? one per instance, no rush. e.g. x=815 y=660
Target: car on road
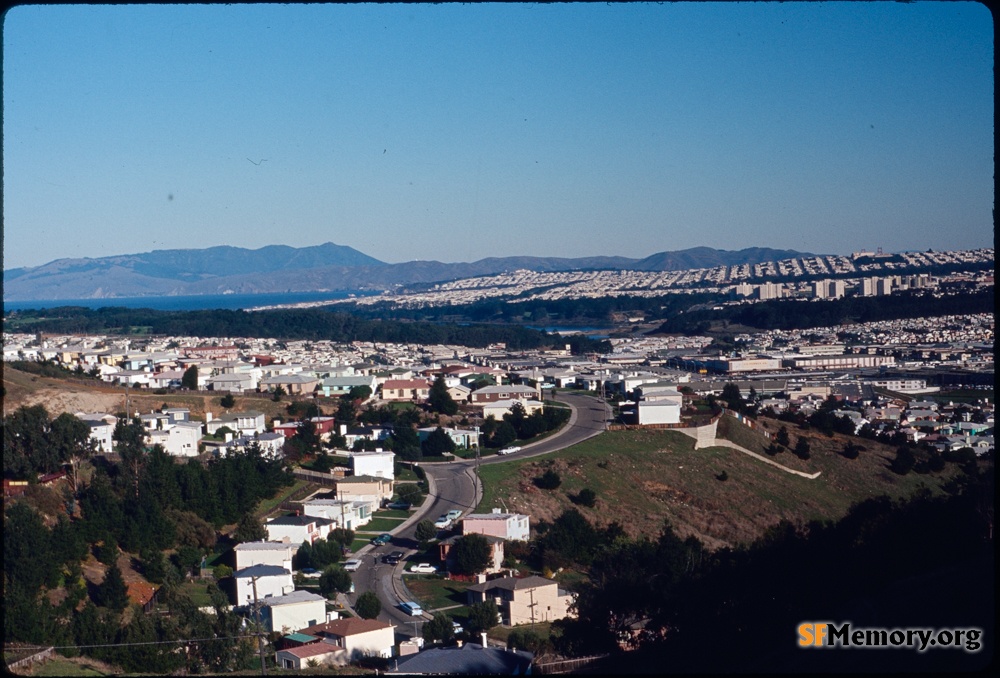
x=399 y=506
x=411 y=608
x=509 y=450
x=423 y=568
x=454 y=514
x=393 y=558
x=352 y=565
x=383 y=538
x=310 y=573
x=443 y=522
x=457 y=628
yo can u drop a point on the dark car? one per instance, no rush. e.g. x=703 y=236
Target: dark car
x=393 y=558
x=384 y=538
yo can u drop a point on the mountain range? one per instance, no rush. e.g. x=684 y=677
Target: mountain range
x=327 y=267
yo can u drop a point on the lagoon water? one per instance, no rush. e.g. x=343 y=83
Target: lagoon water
x=186 y=303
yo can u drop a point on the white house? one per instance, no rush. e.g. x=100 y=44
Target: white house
x=297 y=529
x=463 y=438
x=501 y=407
x=234 y=382
x=283 y=614
x=348 y=514
x=271 y=580
x=312 y=654
x=359 y=637
x=277 y=553
x=658 y=412
x=241 y=423
x=377 y=464
x=179 y=439
x=102 y=428
x=510 y=526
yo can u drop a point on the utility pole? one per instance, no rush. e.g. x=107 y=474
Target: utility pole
x=260 y=628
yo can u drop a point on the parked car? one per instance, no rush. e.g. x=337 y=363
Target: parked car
x=454 y=514
x=399 y=506
x=509 y=450
x=352 y=565
x=383 y=538
x=393 y=558
x=411 y=608
x=423 y=568
x=310 y=573
x=442 y=522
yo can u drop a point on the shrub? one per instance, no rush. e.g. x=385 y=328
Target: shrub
x=586 y=497
x=549 y=480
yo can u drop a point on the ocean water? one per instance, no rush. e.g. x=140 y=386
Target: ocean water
x=187 y=303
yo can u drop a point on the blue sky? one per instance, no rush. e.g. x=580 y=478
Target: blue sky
x=457 y=132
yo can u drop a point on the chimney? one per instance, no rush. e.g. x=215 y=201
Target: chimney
x=458 y=643
x=208 y=417
x=484 y=639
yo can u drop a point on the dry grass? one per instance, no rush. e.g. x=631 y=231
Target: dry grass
x=643 y=478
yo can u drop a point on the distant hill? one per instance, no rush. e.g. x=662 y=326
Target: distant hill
x=278 y=268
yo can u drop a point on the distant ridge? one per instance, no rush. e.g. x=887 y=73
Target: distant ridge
x=279 y=268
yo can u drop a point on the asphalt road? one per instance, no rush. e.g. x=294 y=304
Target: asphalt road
x=452 y=485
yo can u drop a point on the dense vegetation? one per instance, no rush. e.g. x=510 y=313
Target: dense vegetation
x=313 y=324
x=147 y=506
x=789 y=314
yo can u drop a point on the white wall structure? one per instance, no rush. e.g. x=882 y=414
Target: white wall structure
x=658 y=412
x=511 y=526
x=293 y=611
x=377 y=464
x=272 y=580
x=265 y=553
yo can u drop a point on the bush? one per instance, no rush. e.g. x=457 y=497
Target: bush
x=586 y=497
x=722 y=476
x=549 y=480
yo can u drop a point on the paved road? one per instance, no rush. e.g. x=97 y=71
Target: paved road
x=452 y=485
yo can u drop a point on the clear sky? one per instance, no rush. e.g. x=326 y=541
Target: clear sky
x=456 y=132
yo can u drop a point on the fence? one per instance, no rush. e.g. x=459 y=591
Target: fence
x=326 y=479
x=37 y=657
x=748 y=422
x=565 y=665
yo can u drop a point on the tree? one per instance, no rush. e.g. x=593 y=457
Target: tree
x=482 y=617
x=781 y=437
x=410 y=493
x=802 y=448
x=112 y=593
x=368 y=605
x=439 y=400
x=733 y=397
x=439 y=629
x=279 y=392
x=437 y=443
x=425 y=531
x=904 y=461
x=71 y=438
x=405 y=442
x=334 y=580
x=228 y=401
x=850 y=451
x=190 y=378
x=504 y=435
x=471 y=554
x=250 y=529
x=303 y=557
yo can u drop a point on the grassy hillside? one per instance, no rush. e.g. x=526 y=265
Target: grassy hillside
x=645 y=477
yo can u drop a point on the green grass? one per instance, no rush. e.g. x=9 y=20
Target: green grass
x=360 y=543
x=268 y=505
x=383 y=524
x=392 y=513
x=63 y=667
x=197 y=592
x=406 y=473
x=433 y=593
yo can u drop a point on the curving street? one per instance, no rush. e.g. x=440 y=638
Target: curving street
x=452 y=485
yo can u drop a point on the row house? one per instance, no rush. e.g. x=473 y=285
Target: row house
x=296 y=529
x=406 y=389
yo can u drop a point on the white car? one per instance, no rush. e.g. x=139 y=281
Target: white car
x=454 y=514
x=442 y=523
x=310 y=573
x=509 y=450
x=352 y=565
x=423 y=568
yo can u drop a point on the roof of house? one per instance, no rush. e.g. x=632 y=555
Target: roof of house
x=264 y=546
x=312 y=650
x=301 y=638
x=351 y=626
x=261 y=571
x=494 y=516
x=293 y=598
x=301 y=521
x=362 y=479
x=141 y=592
x=471 y=658
x=513 y=584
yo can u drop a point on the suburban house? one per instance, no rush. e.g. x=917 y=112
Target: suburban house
x=102 y=428
x=352 y=434
x=462 y=438
x=491 y=394
x=359 y=637
x=241 y=423
x=345 y=514
x=281 y=614
x=269 y=580
x=338 y=386
x=365 y=488
x=376 y=464
x=523 y=601
x=496 y=551
x=297 y=529
x=459 y=393
x=292 y=384
x=498 y=408
x=232 y=382
x=406 y=389
x=179 y=439
x=464 y=659
x=510 y=526
x=276 y=553
x=317 y=653
x=270 y=444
